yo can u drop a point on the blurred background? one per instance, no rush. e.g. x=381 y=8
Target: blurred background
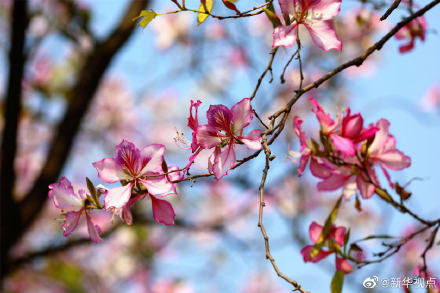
x=81 y=76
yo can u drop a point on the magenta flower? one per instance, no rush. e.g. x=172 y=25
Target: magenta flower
x=65 y=199
x=413 y=30
x=345 y=135
x=316 y=16
x=334 y=243
x=223 y=131
x=140 y=170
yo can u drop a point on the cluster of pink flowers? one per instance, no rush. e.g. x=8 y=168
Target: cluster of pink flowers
x=349 y=152
x=145 y=174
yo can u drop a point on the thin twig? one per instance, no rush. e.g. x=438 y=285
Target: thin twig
x=268 y=68
x=287 y=65
x=295 y=284
x=390 y=10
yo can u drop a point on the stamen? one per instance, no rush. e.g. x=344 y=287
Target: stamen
x=180 y=140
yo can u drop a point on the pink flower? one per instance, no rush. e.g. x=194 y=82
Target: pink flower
x=316 y=16
x=413 y=30
x=223 y=131
x=344 y=137
x=334 y=242
x=383 y=150
x=431 y=99
x=140 y=170
x=64 y=198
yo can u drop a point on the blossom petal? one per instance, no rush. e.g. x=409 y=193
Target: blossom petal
x=71 y=222
x=224 y=161
x=162 y=211
x=297 y=122
x=159 y=185
x=93 y=229
x=321 y=168
x=152 y=158
x=315 y=231
x=394 y=160
x=326 y=9
x=110 y=170
x=117 y=197
x=128 y=155
x=338 y=234
x=207 y=136
x=343 y=265
x=287 y=6
x=323 y=35
x=284 y=35
x=343 y=144
x=211 y=159
x=366 y=189
x=367 y=133
x=219 y=117
x=303 y=162
x=252 y=140
x=242 y=114
x=326 y=122
x=352 y=125
x=306 y=254
x=333 y=182
x=63 y=196
x=381 y=137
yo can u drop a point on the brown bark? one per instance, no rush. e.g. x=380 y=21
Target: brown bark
x=79 y=99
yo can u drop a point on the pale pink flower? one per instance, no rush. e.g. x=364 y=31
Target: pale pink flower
x=74 y=204
x=223 y=131
x=171 y=29
x=413 y=30
x=316 y=16
x=140 y=169
x=431 y=99
x=333 y=242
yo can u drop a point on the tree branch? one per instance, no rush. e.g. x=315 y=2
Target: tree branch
x=9 y=209
x=79 y=98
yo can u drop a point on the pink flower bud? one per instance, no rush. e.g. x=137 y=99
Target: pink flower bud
x=352 y=125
